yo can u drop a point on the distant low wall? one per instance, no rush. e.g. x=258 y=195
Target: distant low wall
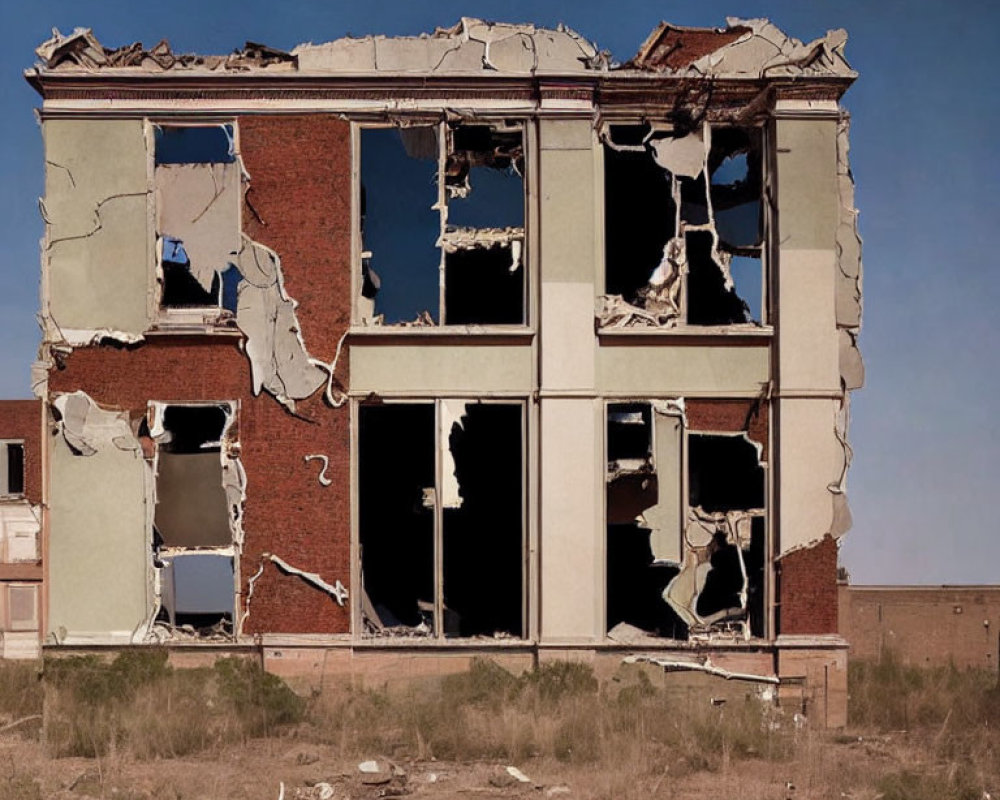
x=923 y=625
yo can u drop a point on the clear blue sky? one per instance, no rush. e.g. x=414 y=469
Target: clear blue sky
x=926 y=118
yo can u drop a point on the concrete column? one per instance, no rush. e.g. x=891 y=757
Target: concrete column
x=571 y=439
x=807 y=374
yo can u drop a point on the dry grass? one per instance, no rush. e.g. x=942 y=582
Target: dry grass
x=915 y=734
x=557 y=712
x=141 y=706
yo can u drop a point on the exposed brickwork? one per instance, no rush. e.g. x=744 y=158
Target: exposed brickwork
x=923 y=625
x=670 y=47
x=807 y=585
x=21 y=419
x=749 y=416
x=300 y=168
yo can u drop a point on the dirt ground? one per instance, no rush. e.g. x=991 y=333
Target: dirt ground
x=826 y=765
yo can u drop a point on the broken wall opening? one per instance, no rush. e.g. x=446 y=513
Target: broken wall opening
x=686 y=526
x=441 y=518
x=442 y=225
x=680 y=208
x=636 y=578
x=195 y=522
x=197 y=179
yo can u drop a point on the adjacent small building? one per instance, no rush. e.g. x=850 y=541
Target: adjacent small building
x=385 y=353
x=20 y=527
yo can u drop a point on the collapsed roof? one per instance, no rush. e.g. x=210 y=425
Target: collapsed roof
x=745 y=48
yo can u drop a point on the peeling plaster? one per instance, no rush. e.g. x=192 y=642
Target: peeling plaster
x=684 y=589
x=325 y=464
x=87 y=428
x=199 y=205
x=337 y=590
x=279 y=360
x=849 y=275
x=685 y=664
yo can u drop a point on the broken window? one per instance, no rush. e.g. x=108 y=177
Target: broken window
x=441 y=518
x=442 y=225
x=198 y=180
x=683 y=227
x=197 y=514
x=11 y=467
x=685 y=526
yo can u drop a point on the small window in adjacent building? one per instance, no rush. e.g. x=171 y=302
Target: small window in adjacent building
x=22 y=607
x=11 y=468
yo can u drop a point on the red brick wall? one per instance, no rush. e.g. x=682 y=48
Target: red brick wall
x=22 y=419
x=923 y=625
x=749 y=416
x=301 y=188
x=807 y=587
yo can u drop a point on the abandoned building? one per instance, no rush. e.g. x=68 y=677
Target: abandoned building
x=385 y=353
x=20 y=527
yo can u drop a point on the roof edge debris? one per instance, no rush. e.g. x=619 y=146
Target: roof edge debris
x=745 y=48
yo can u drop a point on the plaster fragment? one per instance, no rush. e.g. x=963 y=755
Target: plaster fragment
x=88 y=428
x=683 y=156
x=199 y=205
x=689 y=663
x=279 y=360
x=336 y=591
x=325 y=462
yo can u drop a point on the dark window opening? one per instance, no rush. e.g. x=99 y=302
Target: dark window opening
x=486 y=166
x=478 y=504
x=629 y=426
x=15 y=468
x=636 y=584
x=212 y=144
x=754 y=562
x=483 y=537
x=405 y=226
x=724 y=581
x=639 y=218
x=709 y=302
x=735 y=167
x=724 y=473
x=396 y=456
x=709 y=251
x=484 y=286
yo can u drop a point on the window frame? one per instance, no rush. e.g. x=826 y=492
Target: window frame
x=438 y=635
x=764 y=251
x=765 y=512
x=366 y=325
x=5 y=491
x=186 y=317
